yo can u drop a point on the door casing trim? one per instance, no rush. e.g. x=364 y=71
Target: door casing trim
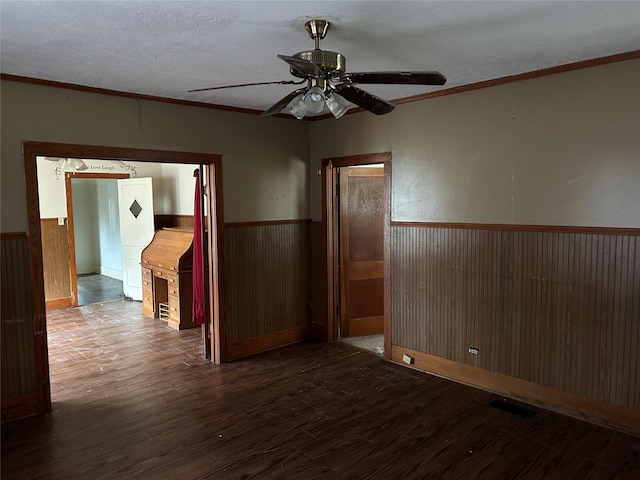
x=330 y=283
x=71 y=236
x=31 y=150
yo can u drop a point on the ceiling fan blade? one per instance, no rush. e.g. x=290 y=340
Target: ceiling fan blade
x=400 y=78
x=283 y=102
x=363 y=99
x=279 y=82
x=303 y=66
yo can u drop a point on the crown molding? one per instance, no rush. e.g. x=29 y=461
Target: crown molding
x=620 y=57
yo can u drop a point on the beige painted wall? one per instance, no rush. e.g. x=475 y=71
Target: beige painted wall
x=556 y=150
x=265 y=160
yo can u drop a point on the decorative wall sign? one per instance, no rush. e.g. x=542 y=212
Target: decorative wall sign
x=96 y=166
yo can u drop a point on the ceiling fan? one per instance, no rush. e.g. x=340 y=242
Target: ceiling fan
x=328 y=84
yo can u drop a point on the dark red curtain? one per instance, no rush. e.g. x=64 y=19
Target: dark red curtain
x=197 y=310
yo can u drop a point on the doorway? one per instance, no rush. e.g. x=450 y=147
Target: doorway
x=356 y=212
x=95 y=251
x=214 y=333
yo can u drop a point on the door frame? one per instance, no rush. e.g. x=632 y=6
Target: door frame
x=215 y=222
x=71 y=235
x=330 y=240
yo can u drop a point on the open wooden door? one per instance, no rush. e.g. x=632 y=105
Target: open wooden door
x=361 y=197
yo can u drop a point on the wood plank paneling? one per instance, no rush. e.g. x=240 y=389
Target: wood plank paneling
x=18 y=347
x=317 y=281
x=55 y=259
x=557 y=309
x=267 y=271
x=56 y=262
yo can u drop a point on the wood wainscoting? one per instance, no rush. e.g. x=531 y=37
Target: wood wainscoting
x=554 y=307
x=318 y=283
x=56 y=264
x=267 y=278
x=20 y=395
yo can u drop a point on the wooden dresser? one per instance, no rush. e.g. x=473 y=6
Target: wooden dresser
x=167 y=264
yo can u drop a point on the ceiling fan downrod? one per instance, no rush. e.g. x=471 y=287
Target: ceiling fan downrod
x=317 y=29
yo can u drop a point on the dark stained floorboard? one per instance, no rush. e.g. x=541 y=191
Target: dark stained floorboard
x=133 y=399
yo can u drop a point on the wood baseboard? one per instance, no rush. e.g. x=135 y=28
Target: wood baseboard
x=58 y=303
x=559 y=401
x=266 y=342
x=20 y=406
x=319 y=332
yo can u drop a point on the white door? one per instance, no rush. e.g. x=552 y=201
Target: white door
x=135 y=202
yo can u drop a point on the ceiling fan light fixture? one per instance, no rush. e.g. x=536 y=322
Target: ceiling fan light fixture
x=297 y=107
x=337 y=104
x=314 y=100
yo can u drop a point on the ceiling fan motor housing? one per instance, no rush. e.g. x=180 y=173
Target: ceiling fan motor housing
x=331 y=63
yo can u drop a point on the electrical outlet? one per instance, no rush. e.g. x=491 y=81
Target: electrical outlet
x=407 y=359
x=474 y=350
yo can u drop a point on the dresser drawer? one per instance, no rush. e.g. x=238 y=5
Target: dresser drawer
x=146 y=274
x=147 y=300
x=174 y=308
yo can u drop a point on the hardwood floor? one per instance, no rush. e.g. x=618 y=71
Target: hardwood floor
x=133 y=399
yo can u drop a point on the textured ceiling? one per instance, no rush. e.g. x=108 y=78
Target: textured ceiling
x=165 y=48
